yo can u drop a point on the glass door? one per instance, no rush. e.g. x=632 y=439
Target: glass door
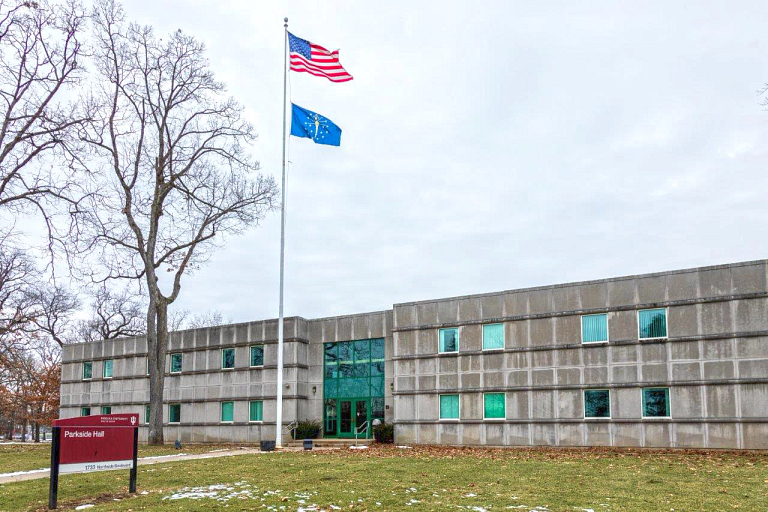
x=345 y=419
x=361 y=417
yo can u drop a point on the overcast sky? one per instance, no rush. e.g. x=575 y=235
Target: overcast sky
x=489 y=146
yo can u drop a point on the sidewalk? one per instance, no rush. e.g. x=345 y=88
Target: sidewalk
x=20 y=476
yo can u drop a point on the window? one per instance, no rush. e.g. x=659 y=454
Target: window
x=257 y=355
x=85 y=411
x=87 y=370
x=656 y=403
x=256 y=410
x=174 y=413
x=106 y=409
x=175 y=363
x=494 y=407
x=652 y=323
x=227 y=412
x=449 y=340
x=597 y=403
x=228 y=358
x=146 y=414
x=493 y=336
x=594 y=328
x=107 y=369
x=449 y=407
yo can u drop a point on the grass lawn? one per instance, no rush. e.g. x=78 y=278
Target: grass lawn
x=29 y=456
x=430 y=478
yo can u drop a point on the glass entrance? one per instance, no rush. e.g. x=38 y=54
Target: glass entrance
x=353 y=386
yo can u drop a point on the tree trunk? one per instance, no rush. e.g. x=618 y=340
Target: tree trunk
x=24 y=430
x=37 y=432
x=157 y=346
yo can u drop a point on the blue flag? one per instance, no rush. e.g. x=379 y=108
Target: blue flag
x=305 y=123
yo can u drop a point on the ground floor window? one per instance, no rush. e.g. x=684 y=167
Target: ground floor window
x=449 y=407
x=494 y=406
x=174 y=413
x=146 y=414
x=597 y=403
x=85 y=411
x=256 y=411
x=656 y=402
x=227 y=412
x=106 y=409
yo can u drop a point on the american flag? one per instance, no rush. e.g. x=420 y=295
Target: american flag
x=311 y=58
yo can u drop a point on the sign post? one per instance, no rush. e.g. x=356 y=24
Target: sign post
x=93 y=443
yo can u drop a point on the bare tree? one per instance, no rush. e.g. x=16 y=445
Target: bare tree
x=207 y=319
x=169 y=151
x=116 y=314
x=40 y=54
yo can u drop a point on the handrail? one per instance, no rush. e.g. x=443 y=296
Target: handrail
x=291 y=428
x=362 y=428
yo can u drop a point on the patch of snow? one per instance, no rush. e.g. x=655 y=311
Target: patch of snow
x=469 y=495
x=363 y=447
x=19 y=473
x=163 y=456
x=403 y=447
x=83 y=507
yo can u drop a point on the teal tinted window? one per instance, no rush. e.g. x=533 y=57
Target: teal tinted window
x=656 y=402
x=106 y=409
x=494 y=405
x=449 y=340
x=228 y=358
x=331 y=361
x=256 y=411
x=597 y=403
x=493 y=336
x=175 y=363
x=377 y=357
x=107 y=371
x=85 y=411
x=449 y=407
x=377 y=409
x=174 y=413
x=594 y=328
x=346 y=359
x=257 y=355
x=146 y=413
x=88 y=370
x=653 y=323
x=227 y=411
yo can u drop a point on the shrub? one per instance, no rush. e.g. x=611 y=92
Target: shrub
x=307 y=430
x=384 y=433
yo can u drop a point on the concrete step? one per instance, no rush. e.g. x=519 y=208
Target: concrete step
x=329 y=443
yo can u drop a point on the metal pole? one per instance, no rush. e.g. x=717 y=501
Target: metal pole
x=53 y=484
x=279 y=408
x=134 y=468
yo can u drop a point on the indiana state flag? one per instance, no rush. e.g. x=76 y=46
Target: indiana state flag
x=305 y=123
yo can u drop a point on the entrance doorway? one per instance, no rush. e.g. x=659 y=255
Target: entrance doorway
x=353 y=415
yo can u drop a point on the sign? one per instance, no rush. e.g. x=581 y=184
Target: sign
x=93 y=443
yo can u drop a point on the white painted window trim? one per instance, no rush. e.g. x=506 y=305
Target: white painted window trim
x=458 y=342
x=505 y=405
x=82 y=371
x=250 y=348
x=610 y=405
x=169 y=414
x=221 y=411
x=170 y=363
x=104 y=368
x=458 y=395
x=669 y=399
x=249 y=409
x=607 y=330
x=221 y=360
x=666 y=321
x=503 y=337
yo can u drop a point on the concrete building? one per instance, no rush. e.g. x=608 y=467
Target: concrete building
x=672 y=359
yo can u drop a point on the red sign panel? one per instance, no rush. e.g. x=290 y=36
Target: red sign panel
x=96 y=443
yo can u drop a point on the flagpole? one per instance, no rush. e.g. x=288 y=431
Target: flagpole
x=279 y=408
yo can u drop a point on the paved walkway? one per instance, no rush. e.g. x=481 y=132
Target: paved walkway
x=144 y=461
